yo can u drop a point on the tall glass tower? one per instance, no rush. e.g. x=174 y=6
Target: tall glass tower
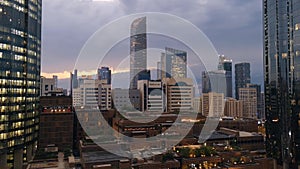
x=138 y=50
x=242 y=77
x=226 y=64
x=20 y=60
x=282 y=80
x=175 y=63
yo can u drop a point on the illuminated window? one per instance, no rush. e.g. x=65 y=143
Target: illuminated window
x=297 y=26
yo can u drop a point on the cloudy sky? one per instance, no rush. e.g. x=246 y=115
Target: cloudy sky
x=233 y=26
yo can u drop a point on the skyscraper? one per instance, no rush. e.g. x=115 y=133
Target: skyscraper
x=138 y=50
x=282 y=80
x=175 y=63
x=104 y=73
x=242 y=77
x=226 y=64
x=214 y=81
x=20 y=60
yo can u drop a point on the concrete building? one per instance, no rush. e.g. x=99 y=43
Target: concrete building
x=213 y=104
x=56 y=122
x=48 y=85
x=126 y=99
x=152 y=95
x=179 y=94
x=249 y=98
x=197 y=105
x=105 y=98
x=87 y=93
x=20 y=60
x=233 y=108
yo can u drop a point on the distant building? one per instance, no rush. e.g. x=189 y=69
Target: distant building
x=138 y=50
x=249 y=98
x=174 y=63
x=105 y=99
x=197 y=105
x=179 y=94
x=233 y=108
x=48 y=85
x=213 y=104
x=214 y=81
x=87 y=93
x=159 y=71
x=152 y=95
x=104 y=73
x=226 y=64
x=242 y=77
x=126 y=99
x=56 y=122
x=259 y=99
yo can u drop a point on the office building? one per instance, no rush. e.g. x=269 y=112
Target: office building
x=282 y=80
x=159 y=72
x=213 y=104
x=87 y=93
x=174 y=63
x=233 y=108
x=20 y=60
x=104 y=73
x=104 y=99
x=126 y=99
x=214 y=81
x=242 y=77
x=138 y=50
x=152 y=95
x=249 y=98
x=179 y=94
x=226 y=65
x=56 y=122
x=259 y=99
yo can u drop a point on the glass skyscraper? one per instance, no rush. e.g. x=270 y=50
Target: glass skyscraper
x=226 y=64
x=175 y=63
x=104 y=73
x=20 y=60
x=282 y=80
x=138 y=50
x=242 y=77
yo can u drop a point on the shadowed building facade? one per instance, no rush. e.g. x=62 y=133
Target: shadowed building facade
x=20 y=60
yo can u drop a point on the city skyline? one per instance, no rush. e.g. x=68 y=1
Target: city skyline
x=239 y=50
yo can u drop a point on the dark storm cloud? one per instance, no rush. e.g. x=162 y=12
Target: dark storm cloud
x=233 y=26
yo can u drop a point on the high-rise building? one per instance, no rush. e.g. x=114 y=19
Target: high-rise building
x=20 y=60
x=282 y=80
x=175 y=63
x=159 y=72
x=104 y=73
x=56 y=122
x=152 y=95
x=104 y=96
x=249 y=98
x=233 y=108
x=242 y=77
x=214 y=81
x=259 y=99
x=179 y=94
x=138 y=50
x=226 y=64
x=86 y=95
x=213 y=104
